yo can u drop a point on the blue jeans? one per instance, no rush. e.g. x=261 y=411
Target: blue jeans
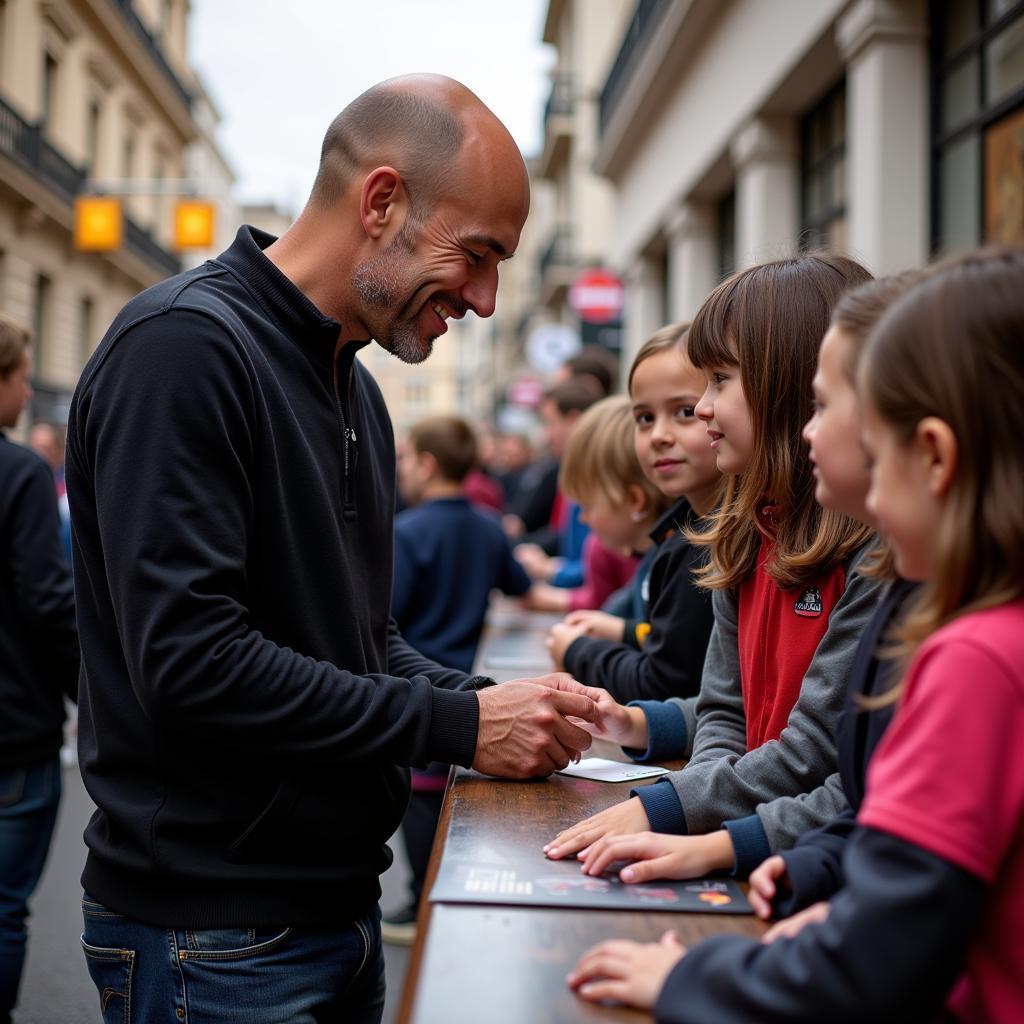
x=28 y=810
x=269 y=975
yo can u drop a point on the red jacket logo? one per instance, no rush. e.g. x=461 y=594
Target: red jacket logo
x=808 y=605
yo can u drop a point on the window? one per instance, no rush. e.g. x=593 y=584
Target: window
x=128 y=155
x=977 y=122
x=823 y=172
x=48 y=106
x=85 y=328
x=41 y=323
x=92 y=136
x=417 y=392
x=727 y=235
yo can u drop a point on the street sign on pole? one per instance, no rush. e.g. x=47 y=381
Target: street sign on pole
x=596 y=296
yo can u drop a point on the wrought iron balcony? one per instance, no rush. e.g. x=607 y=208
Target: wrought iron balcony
x=560 y=100
x=155 y=50
x=645 y=20
x=558 y=252
x=28 y=146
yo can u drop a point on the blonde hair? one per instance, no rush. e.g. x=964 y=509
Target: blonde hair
x=14 y=341
x=951 y=348
x=600 y=457
x=774 y=316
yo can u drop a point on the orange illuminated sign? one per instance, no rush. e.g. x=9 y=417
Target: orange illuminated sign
x=98 y=223
x=193 y=224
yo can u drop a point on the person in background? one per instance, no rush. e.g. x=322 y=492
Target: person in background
x=449 y=556
x=481 y=486
x=594 y=365
x=617 y=503
x=47 y=441
x=540 y=518
x=39 y=663
x=513 y=454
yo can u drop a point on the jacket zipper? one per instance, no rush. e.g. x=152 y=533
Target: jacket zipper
x=348 y=436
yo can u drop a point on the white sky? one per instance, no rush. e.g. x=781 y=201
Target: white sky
x=279 y=71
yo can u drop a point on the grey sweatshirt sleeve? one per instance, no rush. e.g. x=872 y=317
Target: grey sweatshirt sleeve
x=723 y=780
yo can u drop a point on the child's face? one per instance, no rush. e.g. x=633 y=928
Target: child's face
x=612 y=522
x=833 y=432
x=671 y=443
x=723 y=408
x=901 y=498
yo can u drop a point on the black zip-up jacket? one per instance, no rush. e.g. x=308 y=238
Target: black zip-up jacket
x=246 y=698
x=38 y=642
x=680 y=616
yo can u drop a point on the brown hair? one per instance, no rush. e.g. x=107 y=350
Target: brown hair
x=769 y=320
x=670 y=336
x=951 y=348
x=14 y=340
x=856 y=313
x=600 y=457
x=450 y=439
x=573 y=395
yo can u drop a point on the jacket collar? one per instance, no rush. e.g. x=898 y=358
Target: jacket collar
x=676 y=519
x=281 y=299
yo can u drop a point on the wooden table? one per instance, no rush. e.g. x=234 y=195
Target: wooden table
x=506 y=964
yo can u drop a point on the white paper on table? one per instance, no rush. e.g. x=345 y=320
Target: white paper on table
x=600 y=769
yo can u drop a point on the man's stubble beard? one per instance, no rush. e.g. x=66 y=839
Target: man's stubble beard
x=377 y=282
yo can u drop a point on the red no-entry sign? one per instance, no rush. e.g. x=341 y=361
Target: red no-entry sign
x=596 y=296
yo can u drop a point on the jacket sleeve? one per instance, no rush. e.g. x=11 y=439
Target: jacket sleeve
x=40 y=576
x=804 y=812
x=672 y=658
x=404 y=576
x=815 y=864
x=168 y=437
x=892 y=947
x=723 y=779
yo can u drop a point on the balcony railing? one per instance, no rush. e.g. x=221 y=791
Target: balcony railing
x=27 y=145
x=560 y=100
x=645 y=20
x=558 y=252
x=153 y=47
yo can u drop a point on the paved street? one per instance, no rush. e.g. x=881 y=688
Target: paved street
x=56 y=988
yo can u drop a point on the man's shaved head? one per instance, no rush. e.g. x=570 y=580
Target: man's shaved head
x=416 y=124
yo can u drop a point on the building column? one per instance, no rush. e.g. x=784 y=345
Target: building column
x=884 y=44
x=643 y=313
x=764 y=154
x=692 y=236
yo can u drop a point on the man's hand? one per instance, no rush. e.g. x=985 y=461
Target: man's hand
x=559 y=640
x=792 y=926
x=598 y=624
x=628 y=816
x=656 y=855
x=765 y=881
x=627 y=972
x=523 y=730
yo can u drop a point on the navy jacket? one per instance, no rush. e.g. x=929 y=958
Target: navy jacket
x=247 y=700
x=449 y=556
x=38 y=641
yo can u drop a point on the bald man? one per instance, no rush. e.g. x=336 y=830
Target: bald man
x=248 y=706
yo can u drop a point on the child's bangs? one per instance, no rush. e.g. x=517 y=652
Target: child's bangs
x=708 y=341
